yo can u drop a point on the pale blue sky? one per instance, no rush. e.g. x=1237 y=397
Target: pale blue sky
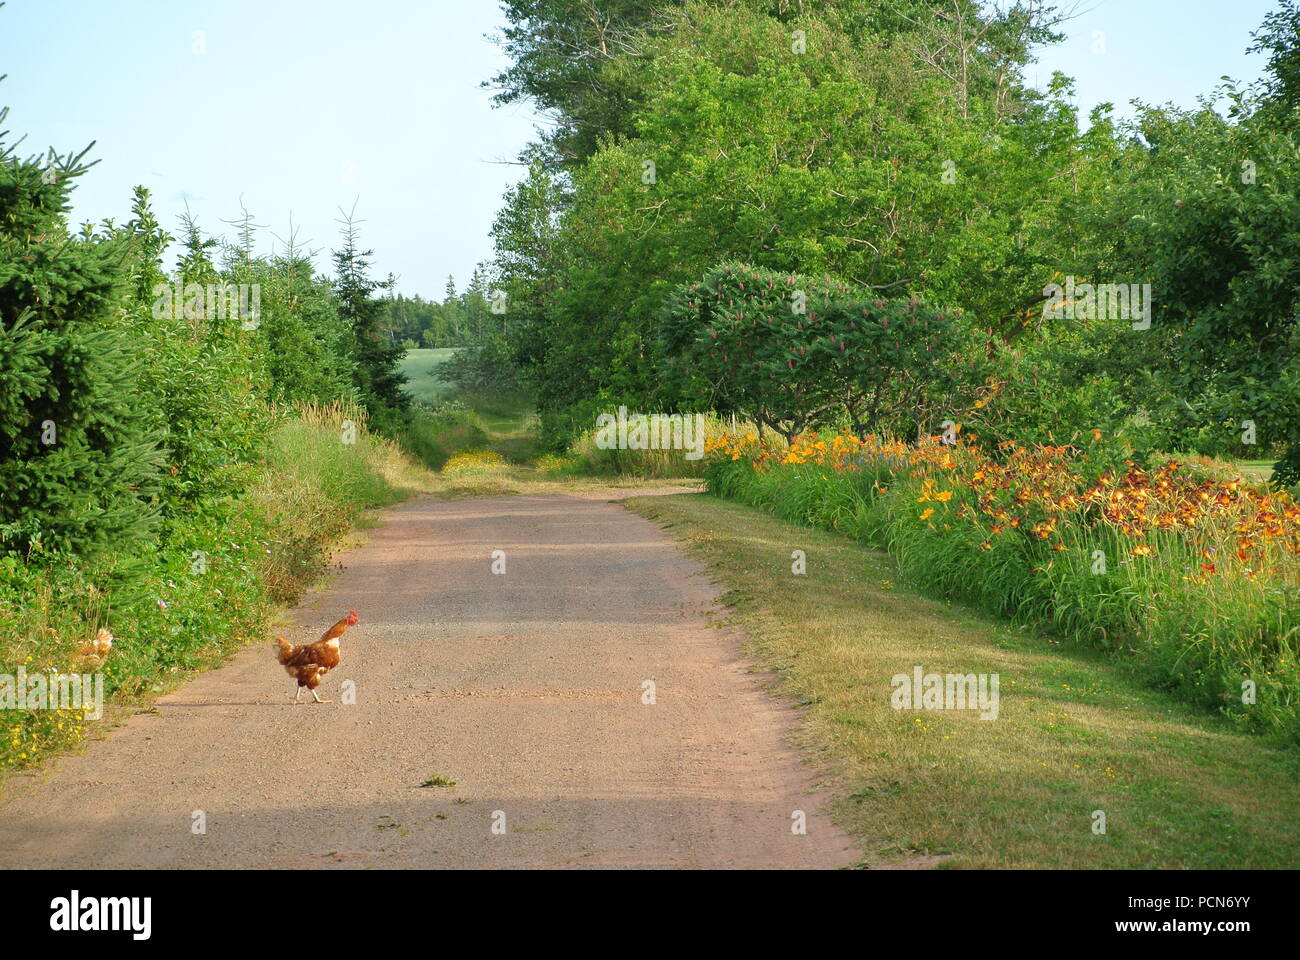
x=1154 y=50
x=301 y=106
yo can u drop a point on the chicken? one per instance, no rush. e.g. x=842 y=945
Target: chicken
x=309 y=662
x=94 y=653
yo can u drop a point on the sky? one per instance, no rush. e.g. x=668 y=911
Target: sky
x=300 y=108
x=1158 y=51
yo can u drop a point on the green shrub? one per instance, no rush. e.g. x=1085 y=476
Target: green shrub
x=79 y=453
x=203 y=590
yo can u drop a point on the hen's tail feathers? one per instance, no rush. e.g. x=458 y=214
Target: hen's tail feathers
x=283 y=649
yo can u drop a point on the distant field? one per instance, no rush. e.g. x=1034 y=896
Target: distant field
x=1256 y=469
x=421 y=366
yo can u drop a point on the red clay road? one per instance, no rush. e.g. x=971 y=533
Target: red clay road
x=525 y=688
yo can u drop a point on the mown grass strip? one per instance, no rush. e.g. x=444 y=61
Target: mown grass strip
x=1075 y=733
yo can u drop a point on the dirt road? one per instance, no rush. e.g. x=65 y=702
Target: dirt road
x=525 y=688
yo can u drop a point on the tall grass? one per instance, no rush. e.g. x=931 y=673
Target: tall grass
x=1203 y=599
x=314 y=488
x=593 y=460
x=505 y=424
x=208 y=588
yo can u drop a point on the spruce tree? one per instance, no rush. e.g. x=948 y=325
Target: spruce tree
x=78 y=457
x=375 y=351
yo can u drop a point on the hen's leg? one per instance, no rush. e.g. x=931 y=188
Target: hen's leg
x=317 y=696
x=297 y=695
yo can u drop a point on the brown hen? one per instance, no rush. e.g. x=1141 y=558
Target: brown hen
x=309 y=662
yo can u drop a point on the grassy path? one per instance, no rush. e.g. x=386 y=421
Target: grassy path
x=1074 y=734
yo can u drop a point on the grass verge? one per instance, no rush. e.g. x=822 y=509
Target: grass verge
x=1184 y=569
x=1075 y=734
x=210 y=585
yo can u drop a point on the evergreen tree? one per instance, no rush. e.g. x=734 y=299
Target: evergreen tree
x=78 y=459
x=307 y=351
x=452 y=319
x=375 y=351
x=203 y=381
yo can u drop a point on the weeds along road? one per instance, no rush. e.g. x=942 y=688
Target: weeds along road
x=525 y=688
